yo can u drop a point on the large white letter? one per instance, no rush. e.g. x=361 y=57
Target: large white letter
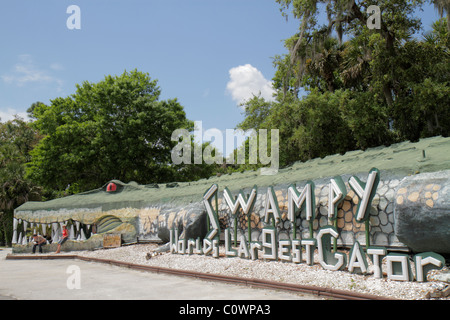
x=240 y=137
x=295 y=199
x=212 y=214
x=307 y=196
x=309 y=244
x=378 y=253
x=243 y=249
x=229 y=251
x=269 y=243
x=211 y=241
x=357 y=259
x=173 y=234
x=296 y=251
x=198 y=139
x=181 y=153
x=425 y=262
x=74 y=280
x=398 y=267
x=374 y=21
x=336 y=195
x=326 y=257
x=245 y=204
x=274 y=151
x=365 y=193
x=74 y=21
x=285 y=248
x=271 y=207
x=216 y=148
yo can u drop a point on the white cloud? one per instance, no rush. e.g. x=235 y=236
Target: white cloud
x=10 y=113
x=205 y=93
x=247 y=81
x=56 y=66
x=25 y=71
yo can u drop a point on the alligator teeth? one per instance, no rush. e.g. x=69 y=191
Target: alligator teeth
x=15 y=223
x=21 y=228
x=55 y=232
x=71 y=233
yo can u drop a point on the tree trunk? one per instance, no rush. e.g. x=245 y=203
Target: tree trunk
x=388 y=94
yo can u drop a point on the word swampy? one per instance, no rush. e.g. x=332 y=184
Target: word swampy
x=302 y=250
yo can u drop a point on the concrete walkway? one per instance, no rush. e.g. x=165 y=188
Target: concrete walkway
x=58 y=280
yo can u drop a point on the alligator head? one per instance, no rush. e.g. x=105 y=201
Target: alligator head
x=116 y=208
x=88 y=216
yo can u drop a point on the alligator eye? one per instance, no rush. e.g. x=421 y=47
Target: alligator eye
x=111 y=187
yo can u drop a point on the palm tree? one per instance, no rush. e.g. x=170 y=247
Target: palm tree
x=443 y=6
x=324 y=60
x=356 y=59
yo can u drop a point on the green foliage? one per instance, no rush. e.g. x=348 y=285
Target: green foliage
x=114 y=129
x=17 y=139
x=422 y=86
x=364 y=88
x=192 y=171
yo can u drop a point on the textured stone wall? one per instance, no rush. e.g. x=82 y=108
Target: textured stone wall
x=156 y=222
x=422 y=212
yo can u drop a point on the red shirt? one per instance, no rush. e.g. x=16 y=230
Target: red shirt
x=65 y=235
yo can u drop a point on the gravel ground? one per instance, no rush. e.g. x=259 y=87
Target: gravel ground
x=275 y=271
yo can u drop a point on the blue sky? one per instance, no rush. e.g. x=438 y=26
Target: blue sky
x=207 y=53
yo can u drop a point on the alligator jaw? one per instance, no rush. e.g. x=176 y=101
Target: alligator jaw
x=23 y=230
x=83 y=215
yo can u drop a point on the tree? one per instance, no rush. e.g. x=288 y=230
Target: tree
x=422 y=87
x=361 y=87
x=443 y=6
x=114 y=129
x=17 y=139
x=349 y=18
x=309 y=127
x=193 y=171
x=256 y=111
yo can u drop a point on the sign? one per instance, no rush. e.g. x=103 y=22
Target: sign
x=112 y=241
x=296 y=250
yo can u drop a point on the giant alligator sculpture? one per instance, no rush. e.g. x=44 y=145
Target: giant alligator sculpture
x=414 y=182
